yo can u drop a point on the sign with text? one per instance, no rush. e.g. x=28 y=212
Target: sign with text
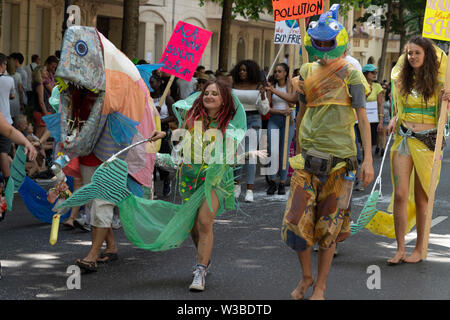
x=282 y=34
x=436 y=23
x=184 y=50
x=295 y=9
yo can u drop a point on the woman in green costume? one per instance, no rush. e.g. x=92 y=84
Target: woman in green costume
x=211 y=120
x=214 y=109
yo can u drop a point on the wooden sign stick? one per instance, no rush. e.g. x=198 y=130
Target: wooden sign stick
x=302 y=27
x=166 y=91
x=436 y=163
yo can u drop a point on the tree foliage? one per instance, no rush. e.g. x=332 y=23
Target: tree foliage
x=250 y=9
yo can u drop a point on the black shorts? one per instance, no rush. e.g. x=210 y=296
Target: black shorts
x=5 y=144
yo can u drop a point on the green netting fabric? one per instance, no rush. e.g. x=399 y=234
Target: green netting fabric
x=368 y=212
x=160 y=225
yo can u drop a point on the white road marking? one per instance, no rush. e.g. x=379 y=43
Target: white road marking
x=413 y=235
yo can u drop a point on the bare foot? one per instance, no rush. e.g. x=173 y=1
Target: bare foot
x=414 y=257
x=300 y=291
x=318 y=294
x=398 y=257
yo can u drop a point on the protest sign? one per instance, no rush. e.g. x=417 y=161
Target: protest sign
x=184 y=50
x=436 y=23
x=285 y=34
x=295 y=9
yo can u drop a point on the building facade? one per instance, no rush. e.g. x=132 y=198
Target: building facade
x=35 y=27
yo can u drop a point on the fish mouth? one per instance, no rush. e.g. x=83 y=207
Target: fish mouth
x=80 y=109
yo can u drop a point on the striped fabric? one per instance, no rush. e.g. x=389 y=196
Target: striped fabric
x=368 y=212
x=109 y=183
x=17 y=176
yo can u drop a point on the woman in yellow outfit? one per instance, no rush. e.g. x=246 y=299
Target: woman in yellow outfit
x=417 y=82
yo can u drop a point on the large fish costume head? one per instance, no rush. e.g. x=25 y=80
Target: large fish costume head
x=104 y=103
x=327 y=28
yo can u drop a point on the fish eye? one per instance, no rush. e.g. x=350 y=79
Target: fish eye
x=81 y=48
x=333 y=25
x=312 y=24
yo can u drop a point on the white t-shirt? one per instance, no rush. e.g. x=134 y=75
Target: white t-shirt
x=354 y=62
x=24 y=76
x=186 y=87
x=29 y=72
x=15 y=103
x=6 y=88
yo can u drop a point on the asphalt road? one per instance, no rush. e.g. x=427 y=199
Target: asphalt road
x=249 y=261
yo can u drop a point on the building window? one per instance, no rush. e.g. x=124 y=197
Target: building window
x=267 y=53
x=159 y=42
x=240 y=51
x=111 y=28
x=11 y=28
x=141 y=41
x=256 y=55
x=42 y=35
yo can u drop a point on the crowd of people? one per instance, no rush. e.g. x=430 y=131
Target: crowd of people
x=313 y=111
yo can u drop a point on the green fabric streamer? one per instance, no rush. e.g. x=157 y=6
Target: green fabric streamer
x=17 y=175
x=368 y=212
x=109 y=182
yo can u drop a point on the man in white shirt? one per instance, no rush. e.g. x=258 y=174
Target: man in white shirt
x=186 y=87
x=35 y=62
x=18 y=58
x=6 y=94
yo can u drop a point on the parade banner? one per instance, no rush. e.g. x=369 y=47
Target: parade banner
x=184 y=50
x=295 y=9
x=285 y=34
x=437 y=20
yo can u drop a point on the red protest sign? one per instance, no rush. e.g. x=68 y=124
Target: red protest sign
x=295 y=9
x=184 y=50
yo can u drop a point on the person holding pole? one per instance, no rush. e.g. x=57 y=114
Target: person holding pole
x=318 y=208
x=417 y=82
x=279 y=111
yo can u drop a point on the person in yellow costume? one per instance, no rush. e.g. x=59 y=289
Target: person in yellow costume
x=376 y=95
x=326 y=151
x=417 y=88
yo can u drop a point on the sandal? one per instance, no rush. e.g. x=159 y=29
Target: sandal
x=69 y=225
x=87 y=266
x=108 y=257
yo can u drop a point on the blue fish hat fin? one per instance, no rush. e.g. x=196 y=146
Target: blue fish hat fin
x=328 y=28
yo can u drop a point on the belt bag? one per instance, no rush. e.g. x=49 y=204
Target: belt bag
x=321 y=163
x=317 y=162
x=429 y=138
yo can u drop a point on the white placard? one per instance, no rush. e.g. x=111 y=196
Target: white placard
x=372 y=111
x=282 y=34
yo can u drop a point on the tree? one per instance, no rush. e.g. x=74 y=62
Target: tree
x=130 y=27
x=231 y=8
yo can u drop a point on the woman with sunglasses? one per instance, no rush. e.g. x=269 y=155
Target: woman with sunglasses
x=376 y=95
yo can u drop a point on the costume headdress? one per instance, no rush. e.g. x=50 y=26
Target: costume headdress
x=328 y=28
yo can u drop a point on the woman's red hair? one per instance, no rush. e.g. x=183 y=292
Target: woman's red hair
x=198 y=112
